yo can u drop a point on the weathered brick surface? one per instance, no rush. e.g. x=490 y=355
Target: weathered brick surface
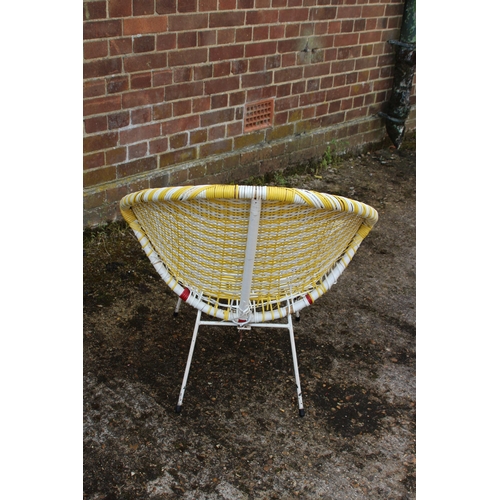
x=166 y=83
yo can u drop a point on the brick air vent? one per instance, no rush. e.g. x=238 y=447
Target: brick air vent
x=259 y=115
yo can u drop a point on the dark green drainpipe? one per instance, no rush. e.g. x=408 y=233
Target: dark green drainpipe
x=399 y=107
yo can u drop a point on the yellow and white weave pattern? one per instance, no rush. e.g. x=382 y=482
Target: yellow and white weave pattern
x=196 y=236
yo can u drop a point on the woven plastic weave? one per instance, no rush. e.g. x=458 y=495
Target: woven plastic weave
x=196 y=237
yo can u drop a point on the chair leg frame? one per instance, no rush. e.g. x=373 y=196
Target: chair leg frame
x=199 y=322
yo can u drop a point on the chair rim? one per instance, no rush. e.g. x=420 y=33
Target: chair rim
x=285 y=195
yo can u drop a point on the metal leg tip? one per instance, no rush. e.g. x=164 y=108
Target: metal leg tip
x=178 y=408
x=302 y=412
x=176 y=314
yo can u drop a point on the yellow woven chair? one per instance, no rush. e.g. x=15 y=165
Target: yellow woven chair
x=247 y=255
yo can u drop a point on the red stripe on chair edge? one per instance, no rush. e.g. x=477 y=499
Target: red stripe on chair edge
x=309 y=299
x=185 y=294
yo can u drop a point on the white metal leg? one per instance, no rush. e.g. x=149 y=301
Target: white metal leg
x=188 y=364
x=295 y=366
x=177 y=307
x=288 y=326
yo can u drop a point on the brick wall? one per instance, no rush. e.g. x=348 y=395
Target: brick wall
x=166 y=83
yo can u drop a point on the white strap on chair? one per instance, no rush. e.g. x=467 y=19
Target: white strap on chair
x=244 y=313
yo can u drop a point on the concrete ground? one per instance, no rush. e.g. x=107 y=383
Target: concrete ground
x=239 y=435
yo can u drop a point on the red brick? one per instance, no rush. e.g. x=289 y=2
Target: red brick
x=179 y=156
x=158 y=145
x=221 y=69
x=166 y=42
x=93 y=50
x=166 y=6
x=201 y=104
x=179 y=141
x=370 y=37
x=239 y=67
x=317 y=70
x=182 y=107
x=120 y=46
x=289 y=74
x=162 y=111
x=217 y=132
x=366 y=62
x=293 y=15
x=94 y=160
x=261 y=17
x=220 y=85
x=118 y=120
x=179 y=124
x=186 y=39
x=94 y=88
x=257 y=79
x=101 y=29
x=243 y=35
x=207 y=38
x=101 y=105
x=260 y=33
x=291 y=45
x=187 y=22
x=143 y=7
x=391 y=10
x=140 y=116
x=144 y=43
x=145 y=62
x=143 y=98
x=183 y=74
x=286 y=103
x=221 y=19
x=186 y=6
x=227 y=52
x=348 y=52
x=162 y=78
x=96 y=124
x=116 y=155
x=260 y=49
x=99 y=176
x=137 y=150
x=198 y=136
x=218 y=147
x=117 y=84
x=94 y=10
x=183 y=90
x=136 y=167
x=142 y=25
x=227 y=4
x=140 y=81
x=299 y=87
x=203 y=72
x=102 y=67
x=100 y=141
x=276 y=31
x=217 y=117
x=120 y=8
x=361 y=88
x=312 y=98
x=257 y=64
x=226 y=36
x=323 y=13
x=246 y=4
x=349 y=12
x=187 y=57
x=346 y=40
x=207 y=5
x=347 y=26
